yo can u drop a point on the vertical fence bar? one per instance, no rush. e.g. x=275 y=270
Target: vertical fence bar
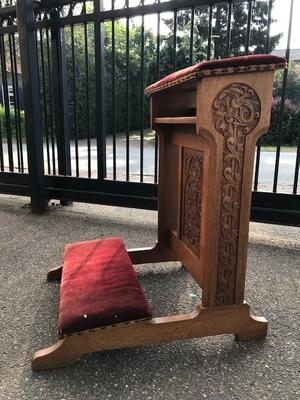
x=44 y=99
x=285 y=75
x=155 y=157
x=39 y=85
x=228 y=34
x=157 y=78
x=1 y=149
x=100 y=109
x=50 y=103
x=267 y=49
x=13 y=80
x=87 y=97
x=249 y=19
x=297 y=165
x=209 y=32
x=17 y=101
x=127 y=96
x=191 y=55
x=158 y=48
x=268 y=36
x=142 y=99
x=59 y=74
x=32 y=106
x=174 y=58
x=6 y=105
x=74 y=100
x=113 y=71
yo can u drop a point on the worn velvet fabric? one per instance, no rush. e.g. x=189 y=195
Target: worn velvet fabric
x=99 y=287
x=194 y=70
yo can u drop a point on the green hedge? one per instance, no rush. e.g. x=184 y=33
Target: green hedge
x=289 y=133
x=290 y=124
x=13 y=118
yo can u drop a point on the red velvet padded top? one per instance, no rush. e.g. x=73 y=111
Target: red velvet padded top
x=99 y=287
x=212 y=67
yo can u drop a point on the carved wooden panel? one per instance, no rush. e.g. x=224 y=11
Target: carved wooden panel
x=192 y=176
x=236 y=112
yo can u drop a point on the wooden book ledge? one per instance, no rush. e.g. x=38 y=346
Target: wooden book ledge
x=205 y=180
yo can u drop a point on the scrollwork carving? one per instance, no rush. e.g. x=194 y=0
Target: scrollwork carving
x=192 y=172
x=236 y=112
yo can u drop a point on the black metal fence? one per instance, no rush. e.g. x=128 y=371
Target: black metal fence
x=78 y=69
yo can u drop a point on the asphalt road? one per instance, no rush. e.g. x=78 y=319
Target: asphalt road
x=266 y=173
x=212 y=368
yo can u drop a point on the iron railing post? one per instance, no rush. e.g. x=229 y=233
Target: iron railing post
x=100 y=102
x=31 y=92
x=60 y=101
x=6 y=103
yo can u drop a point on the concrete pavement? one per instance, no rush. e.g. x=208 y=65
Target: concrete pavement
x=210 y=368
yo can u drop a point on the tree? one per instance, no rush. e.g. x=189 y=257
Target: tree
x=136 y=86
x=290 y=118
x=113 y=76
x=290 y=124
x=258 y=33
x=82 y=94
x=292 y=90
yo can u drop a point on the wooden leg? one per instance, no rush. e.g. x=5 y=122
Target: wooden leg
x=158 y=253
x=234 y=319
x=145 y=255
x=61 y=354
x=255 y=328
x=55 y=274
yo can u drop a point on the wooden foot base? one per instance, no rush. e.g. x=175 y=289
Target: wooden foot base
x=54 y=274
x=202 y=322
x=256 y=328
x=156 y=254
x=61 y=354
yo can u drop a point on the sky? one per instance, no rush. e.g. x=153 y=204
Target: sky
x=281 y=12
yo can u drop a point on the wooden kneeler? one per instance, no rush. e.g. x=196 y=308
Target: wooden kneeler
x=208 y=118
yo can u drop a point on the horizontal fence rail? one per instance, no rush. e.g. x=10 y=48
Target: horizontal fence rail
x=93 y=60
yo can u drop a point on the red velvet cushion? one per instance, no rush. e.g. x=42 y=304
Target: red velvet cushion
x=209 y=67
x=99 y=287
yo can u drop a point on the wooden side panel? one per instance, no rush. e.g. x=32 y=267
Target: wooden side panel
x=187 y=236
x=243 y=105
x=236 y=109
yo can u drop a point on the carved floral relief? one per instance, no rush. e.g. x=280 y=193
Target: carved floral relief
x=236 y=112
x=192 y=175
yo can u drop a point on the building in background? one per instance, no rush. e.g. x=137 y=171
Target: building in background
x=294 y=56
